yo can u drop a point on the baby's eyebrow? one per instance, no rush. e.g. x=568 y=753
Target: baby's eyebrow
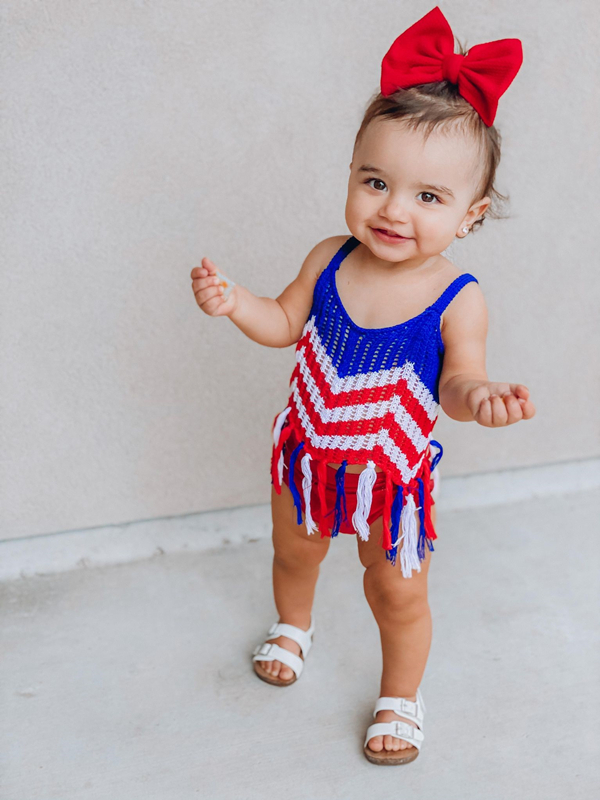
x=369 y=168
x=438 y=189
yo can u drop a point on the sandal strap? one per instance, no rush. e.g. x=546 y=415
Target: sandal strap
x=397 y=729
x=414 y=711
x=303 y=638
x=270 y=651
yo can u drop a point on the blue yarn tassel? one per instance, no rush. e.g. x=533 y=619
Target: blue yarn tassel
x=340 y=498
x=434 y=463
x=437 y=456
x=293 y=487
x=395 y=524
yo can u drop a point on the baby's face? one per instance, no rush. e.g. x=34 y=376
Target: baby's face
x=397 y=182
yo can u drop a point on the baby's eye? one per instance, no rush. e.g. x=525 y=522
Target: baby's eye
x=370 y=180
x=429 y=194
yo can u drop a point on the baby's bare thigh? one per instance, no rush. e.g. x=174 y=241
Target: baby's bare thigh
x=292 y=542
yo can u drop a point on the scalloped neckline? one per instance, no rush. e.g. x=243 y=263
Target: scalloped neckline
x=370 y=330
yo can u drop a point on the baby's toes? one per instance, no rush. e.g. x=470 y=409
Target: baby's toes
x=375 y=744
x=391 y=743
x=285 y=673
x=275 y=669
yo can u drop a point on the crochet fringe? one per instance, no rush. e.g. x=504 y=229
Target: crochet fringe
x=387 y=512
x=399 y=501
x=306 y=488
x=396 y=510
x=279 y=439
x=293 y=487
x=409 y=558
x=364 y=496
x=340 y=498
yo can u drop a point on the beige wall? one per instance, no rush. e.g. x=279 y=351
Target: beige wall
x=139 y=137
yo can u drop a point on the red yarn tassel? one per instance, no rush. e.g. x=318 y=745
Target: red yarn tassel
x=283 y=436
x=387 y=512
x=428 y=501
x=321 y=487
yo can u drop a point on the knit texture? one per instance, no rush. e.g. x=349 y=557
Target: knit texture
x=368 y=396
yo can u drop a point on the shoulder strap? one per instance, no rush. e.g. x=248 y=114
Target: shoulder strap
x=451 y=291
x=341 y=254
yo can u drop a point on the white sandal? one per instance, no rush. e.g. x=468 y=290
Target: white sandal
x=398 y=729
x=271 y=651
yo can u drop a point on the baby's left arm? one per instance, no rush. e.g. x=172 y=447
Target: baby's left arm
x=465 y=392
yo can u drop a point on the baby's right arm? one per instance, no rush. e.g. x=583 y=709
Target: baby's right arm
x=274 y=323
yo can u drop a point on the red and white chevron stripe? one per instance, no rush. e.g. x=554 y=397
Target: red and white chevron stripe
x=386 y=416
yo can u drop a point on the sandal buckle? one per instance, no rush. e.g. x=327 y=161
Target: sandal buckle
x=265 y=649
x=400 y=728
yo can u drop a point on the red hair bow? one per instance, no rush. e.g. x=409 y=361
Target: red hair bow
x=424 y=53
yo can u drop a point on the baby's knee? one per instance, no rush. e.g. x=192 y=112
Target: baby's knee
x=297 y=551
x=389 y=593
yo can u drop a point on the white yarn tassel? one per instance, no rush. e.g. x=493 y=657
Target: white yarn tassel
x=364 y=496
x=409 y=558
x=306 y=490
x=276 y=434
x=279 y=424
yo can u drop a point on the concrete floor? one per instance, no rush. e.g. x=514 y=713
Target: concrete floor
x=134 y=681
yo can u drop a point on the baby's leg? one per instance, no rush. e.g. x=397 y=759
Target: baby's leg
x=296 y=563
x=401 y=609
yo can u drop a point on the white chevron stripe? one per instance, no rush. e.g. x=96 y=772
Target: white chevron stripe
x=368 y=380
x=366 y=442
x=362 y=410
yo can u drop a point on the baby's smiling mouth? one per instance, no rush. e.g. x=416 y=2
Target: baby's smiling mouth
x=389 y=232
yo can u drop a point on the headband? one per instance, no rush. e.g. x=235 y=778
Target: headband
x=424 y=53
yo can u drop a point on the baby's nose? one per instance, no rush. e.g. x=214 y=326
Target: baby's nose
x=395 y=210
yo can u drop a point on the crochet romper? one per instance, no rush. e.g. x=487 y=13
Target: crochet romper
x=365 y=396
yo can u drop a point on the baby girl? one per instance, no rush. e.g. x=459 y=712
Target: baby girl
x=387 y=330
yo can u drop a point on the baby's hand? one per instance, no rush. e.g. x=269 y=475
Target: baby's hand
x=498 y=404
x=214 y=292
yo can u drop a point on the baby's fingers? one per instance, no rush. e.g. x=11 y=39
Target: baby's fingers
x=207 y=268
x=521 y=392
x=499 y=410
x=204 y=282
x=492 y=412
x=483 y=414
x=206 y=291
x=212 y=301
x=513 y=407
x=528 y=409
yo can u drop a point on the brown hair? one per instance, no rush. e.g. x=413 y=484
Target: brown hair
x=439 y=105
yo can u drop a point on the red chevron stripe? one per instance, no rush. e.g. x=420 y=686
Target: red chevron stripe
x=360 y=396
x=361 y=427
x=361 y=456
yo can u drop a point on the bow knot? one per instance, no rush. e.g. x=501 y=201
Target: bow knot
x=424 y=53
x=451 y=65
